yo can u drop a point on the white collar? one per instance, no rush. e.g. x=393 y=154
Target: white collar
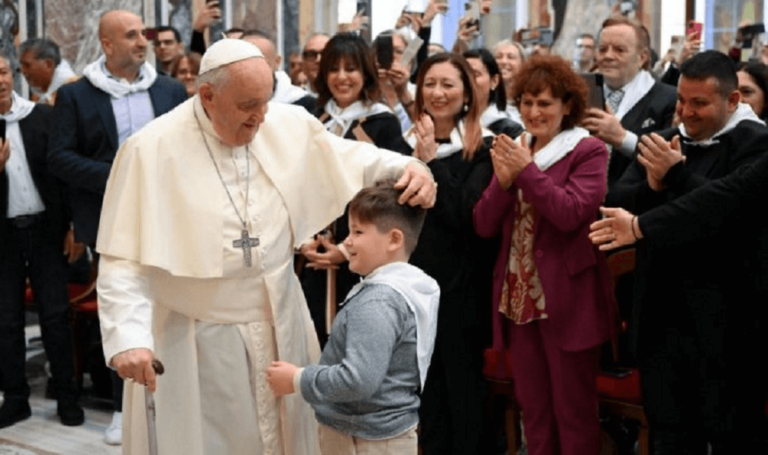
x=421 y=293
x=61 y=75
x=285 y=91
x=634 y=91
x=99 y=75
x=20 y=109
x=492 y=114
x=557 y=148
x=743 y=112
x=345 y=116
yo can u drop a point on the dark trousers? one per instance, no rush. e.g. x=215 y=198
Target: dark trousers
x=693 y=397
x=451 y=411
x=34 y=251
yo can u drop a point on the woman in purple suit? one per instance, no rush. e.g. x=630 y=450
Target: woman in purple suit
x=552 y=299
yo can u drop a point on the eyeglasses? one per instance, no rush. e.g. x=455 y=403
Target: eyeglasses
x=310 y=55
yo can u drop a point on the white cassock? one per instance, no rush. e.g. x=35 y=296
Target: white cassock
x=172 y=281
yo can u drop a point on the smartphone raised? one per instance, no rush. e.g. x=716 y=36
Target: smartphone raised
x=384 y=52
x=472 y=13
x=2 y=128
x=694 y=27
x=595 y=84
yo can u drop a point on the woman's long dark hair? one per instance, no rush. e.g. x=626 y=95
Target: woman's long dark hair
x=498 y=95
x=353 y=49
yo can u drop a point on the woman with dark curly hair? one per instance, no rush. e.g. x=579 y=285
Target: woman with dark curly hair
x=753 y=86
x=552 y=298
x=348 y=93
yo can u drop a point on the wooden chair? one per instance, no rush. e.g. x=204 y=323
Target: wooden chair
x=621 y=395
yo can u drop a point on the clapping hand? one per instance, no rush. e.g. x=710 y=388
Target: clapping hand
x=509 y=158
x=657 y=156
x=615 y=229
x=426 y=147
x=328 y=259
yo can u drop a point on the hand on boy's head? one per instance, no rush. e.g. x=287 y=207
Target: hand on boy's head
x=280 y=378
x=420 y=188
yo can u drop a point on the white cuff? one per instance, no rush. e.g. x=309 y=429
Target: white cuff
x=629 y=144
x=297 y=381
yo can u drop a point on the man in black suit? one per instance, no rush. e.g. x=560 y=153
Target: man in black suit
x=118 y=94
x=695 y=302
x=33 y=229
x=636 y=103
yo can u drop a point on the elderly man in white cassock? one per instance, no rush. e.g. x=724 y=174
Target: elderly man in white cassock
x=203 y=210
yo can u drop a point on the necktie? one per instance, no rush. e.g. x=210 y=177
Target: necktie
x=614 y=99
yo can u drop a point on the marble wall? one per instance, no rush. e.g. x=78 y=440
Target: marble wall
x=74 y=25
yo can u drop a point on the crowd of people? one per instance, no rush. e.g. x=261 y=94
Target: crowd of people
x=404 y=211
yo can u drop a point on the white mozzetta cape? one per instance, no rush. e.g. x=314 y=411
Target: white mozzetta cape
x=163 y=211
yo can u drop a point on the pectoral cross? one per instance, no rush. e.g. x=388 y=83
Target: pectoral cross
x=245 y=242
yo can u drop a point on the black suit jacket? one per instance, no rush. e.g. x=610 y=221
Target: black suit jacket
x=693 y=283
x=34 y=133
x=84 y=141
x=653 y=112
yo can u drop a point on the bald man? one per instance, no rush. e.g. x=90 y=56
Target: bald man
x=211 y=290
x=117 y=95
x=284 y=91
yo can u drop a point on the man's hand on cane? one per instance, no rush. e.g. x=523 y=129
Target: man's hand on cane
x=136 y=364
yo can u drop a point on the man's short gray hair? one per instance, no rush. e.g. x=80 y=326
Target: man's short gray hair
x=43 y=49
x=217 y=77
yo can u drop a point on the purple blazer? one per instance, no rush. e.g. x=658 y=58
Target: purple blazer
x=574 y=274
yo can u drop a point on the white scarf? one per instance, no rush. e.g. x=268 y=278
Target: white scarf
x=20 y=109
x=743 y=112
x=492 y=114
x=557 y=148
x=61 y=75
x=342 y=118
x=634 y=91
x=97 y=73
x=285 y=91
x=421 y=293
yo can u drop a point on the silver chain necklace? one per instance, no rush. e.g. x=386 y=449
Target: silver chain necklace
x=245 y=242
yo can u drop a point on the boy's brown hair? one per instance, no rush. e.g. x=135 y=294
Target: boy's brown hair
x=378 y=205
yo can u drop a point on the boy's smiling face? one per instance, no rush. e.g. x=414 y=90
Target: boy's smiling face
x=368 y=247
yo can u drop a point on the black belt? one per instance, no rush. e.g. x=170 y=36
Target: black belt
x=25 y=221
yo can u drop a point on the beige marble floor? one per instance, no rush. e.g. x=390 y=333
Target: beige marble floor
x=43 y=434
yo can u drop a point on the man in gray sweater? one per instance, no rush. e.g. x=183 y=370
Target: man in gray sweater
x=364 y=389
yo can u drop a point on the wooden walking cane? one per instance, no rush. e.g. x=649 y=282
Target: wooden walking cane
x=149 y=401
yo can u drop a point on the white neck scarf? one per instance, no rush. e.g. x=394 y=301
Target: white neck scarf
x=743 y=112
x=342 y=118
x=634 y=91
x=20 y=109
x=422 y=294
x=100 y=77
x=285 y=92
x=557 y=148
x=492 y=114
x=61 y=75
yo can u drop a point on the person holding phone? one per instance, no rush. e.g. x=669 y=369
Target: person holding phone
x=348 y=93
x=448 y=138
x=553 y=302
x=635 y=103
x=34 y=230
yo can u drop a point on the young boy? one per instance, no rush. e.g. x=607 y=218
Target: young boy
x=364 y=389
